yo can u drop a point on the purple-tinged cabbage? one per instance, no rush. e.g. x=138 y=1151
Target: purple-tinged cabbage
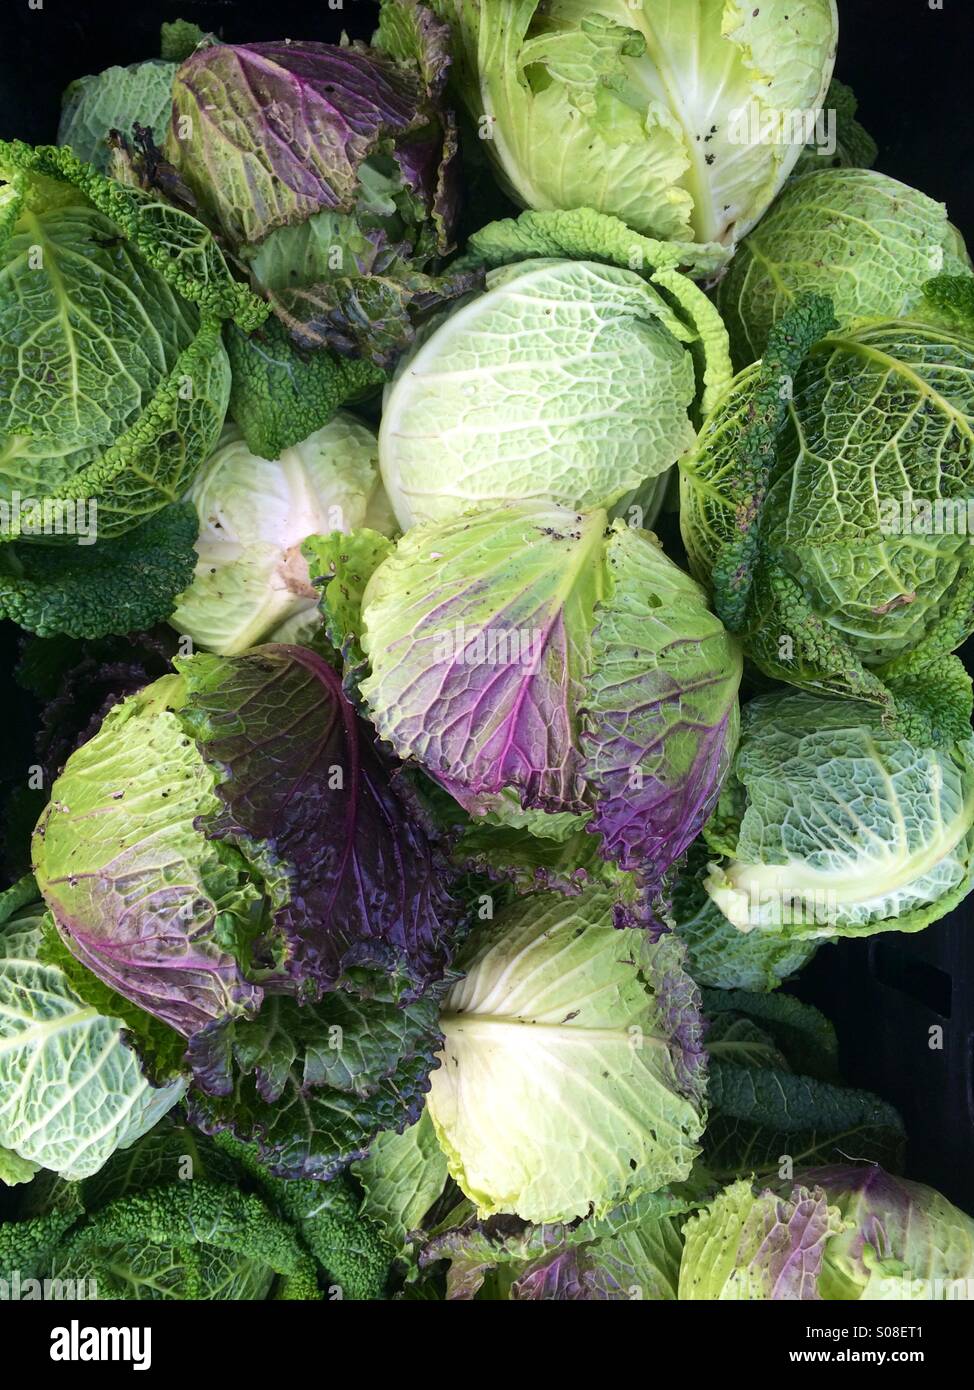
x=330 y=172
x=747 y=1247
x=902 y=1240
x=797 y=507
x=535 y=660
x=139 y=895
x=232 y=831
x=230 y=854
x=847 y=1232
x=313 y=1085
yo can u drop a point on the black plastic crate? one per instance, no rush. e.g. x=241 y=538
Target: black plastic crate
x=909 y=64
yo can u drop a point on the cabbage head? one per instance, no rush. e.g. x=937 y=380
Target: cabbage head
x=827 y=506
x=866 y=240
x=110 y=307
x=330 y=173
x=578 y=376
x=115 y=381
x=251 y=883
x=572 y=1073
x=114 y=384
x=252 y=582
x=652 y=112
x=535 y=659
x=831 y=824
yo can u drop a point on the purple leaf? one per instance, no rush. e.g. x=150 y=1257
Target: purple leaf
x=298 y=774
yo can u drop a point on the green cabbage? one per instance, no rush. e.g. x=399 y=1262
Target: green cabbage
x=646 y=111
x=832 y=825
x=866 y=240
x=112 y=100
x=571 y=1073
x=578 y=376
x=826 y=505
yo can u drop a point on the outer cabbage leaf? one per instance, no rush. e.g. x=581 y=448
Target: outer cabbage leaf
x=773 y=1094
x=721 y=956
x=571 y=1074
x=836 y=826
x=116 y=586
x=763 y=1112
x=632 y=110
x=949 y=299
x=171 y=240
x=112 y=100
x=313 y=1086
x=280 y=394
x=164 y=1220
x=354 y=882
x=136 y=1235
x=585 y=234
x=864 y=239
x=353 y=1254
x=139 y=895
x=526 y=579
x=796 y=1035
x=330 y=171
x=631 y=1253
x=179 y=38
x=72 y=1090
x=161 y=1050
x=509 y=853
x=289 y=127
x=27 y=1246
x=107 y=335
x=403 y=1175
x=528 y=851
x=370 y=312
x=14 y=1169
x=661 y=716
x=168 y=1150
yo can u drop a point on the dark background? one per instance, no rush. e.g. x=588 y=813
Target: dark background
x=911 y=67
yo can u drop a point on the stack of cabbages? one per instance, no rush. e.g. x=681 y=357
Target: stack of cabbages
x=419 y=848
